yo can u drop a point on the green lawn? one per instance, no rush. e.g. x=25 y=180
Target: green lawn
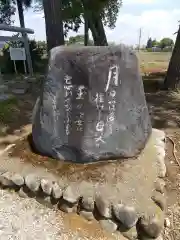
x=153 y=61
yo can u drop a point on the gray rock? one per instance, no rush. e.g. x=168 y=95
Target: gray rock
x=126 y=215
x=56 y=191
x=87 y=192
x=160 y=185
x=159 y=199
x=22 y=193
x=87 y=215
x=88 y=203
x=113 y=77
x=45 y=201
x=68 y=208
x=46 y=186
x=32 y=182
x=18 y=179
x=5 y=180
x=152 y=225
x=167 y=223
x=130 y=234
x=71 y=194
x=108 y=225
x=104 y=206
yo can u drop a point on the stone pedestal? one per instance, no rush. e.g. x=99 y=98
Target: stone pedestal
x=124 y=196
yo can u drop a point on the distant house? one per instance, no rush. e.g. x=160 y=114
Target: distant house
x=156 y=49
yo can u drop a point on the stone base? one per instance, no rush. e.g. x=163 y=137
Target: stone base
x=126 y=196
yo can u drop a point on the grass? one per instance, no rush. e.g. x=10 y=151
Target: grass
x=7 y=108
x=153 y=61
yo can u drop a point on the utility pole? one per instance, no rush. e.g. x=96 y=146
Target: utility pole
x=140 y=34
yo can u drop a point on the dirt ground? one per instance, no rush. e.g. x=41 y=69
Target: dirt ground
x=165 y=114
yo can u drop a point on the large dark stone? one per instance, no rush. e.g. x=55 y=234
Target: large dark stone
x=92 y=105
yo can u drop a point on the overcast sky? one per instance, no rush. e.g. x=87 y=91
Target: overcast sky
x=157 y=18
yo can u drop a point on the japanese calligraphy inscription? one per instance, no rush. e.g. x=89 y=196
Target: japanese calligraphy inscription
x=100 y=103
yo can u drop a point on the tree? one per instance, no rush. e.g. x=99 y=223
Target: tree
x=99 y=12
x=6 y=11
x=96 y=15
x=53 y=19
x=86 y=32
x=79 y=39
x=71 y=14
x=20 y=4
x=172 y=80
x=54 y=23
x=166 y=42
x=149 y=43
x=155 y=43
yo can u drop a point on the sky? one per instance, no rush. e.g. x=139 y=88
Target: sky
x=156 y=18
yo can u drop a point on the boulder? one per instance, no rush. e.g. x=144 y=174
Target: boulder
x=92 y=105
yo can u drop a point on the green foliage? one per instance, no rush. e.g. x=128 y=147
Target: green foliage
x=7 y=9
x=7 y=108
x=110 y=12
x=149 y=43
x=37 y=51
x=79 y=39
x=73 y=12
x=166 y=42
x=155 y=43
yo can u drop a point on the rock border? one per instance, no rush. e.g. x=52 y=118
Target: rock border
x=111 y=216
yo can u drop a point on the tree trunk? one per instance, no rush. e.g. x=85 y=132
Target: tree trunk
x=21 y=13
x=54 y=23
x=86 y=34
x=26 y=42
x=101 y=40
x=95 y=24
x=172 y=80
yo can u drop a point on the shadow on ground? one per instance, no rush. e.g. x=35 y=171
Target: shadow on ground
x=164 y=106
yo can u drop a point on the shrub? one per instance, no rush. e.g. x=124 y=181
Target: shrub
x=37 y=51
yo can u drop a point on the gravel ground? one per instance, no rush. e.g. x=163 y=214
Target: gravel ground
x=27 y=219
x=172 y=232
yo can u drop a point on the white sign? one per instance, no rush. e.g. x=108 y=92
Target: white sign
x=17 y=54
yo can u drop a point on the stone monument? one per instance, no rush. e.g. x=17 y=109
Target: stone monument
x=92 y=106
